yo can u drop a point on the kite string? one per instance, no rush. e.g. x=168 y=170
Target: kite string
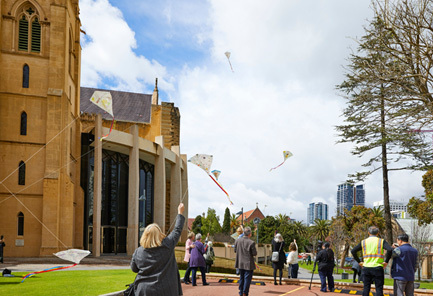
x=34 y=154
x=174 y=221
x=13 y=195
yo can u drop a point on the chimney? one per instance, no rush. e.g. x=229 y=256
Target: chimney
x=155 y=93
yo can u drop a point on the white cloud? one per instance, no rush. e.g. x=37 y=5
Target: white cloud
x=108 y=51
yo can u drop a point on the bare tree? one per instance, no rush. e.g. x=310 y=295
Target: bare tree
x=422 y=241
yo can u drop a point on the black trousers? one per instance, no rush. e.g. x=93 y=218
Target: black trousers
x=376 y=275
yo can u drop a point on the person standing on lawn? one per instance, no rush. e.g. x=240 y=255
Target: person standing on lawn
x=374 y=260
x=405 y=258
x=292 y=260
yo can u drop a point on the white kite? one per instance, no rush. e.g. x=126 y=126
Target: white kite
x=73 y=255
x=103 y=100
x=204 y=162
x=227 y=53
x=286 y=155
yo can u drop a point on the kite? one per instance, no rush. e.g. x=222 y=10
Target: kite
x=204 y=162
x=286 y=154
x=227 y=53
x=216 y=173
x=73 y=255
x=103 y=100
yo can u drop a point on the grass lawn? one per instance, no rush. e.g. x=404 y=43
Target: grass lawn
x=68 y=282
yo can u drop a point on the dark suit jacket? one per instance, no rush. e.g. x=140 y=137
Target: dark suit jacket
x=245 y=250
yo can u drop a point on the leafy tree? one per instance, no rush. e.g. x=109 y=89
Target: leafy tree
x=423 y=209
x=352 y=227
x=374 y=121
x=210 y=224
x=321 y=229
x=226 y=223
x=196 y=225
x=234 y=223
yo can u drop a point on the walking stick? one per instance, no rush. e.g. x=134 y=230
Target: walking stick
x=312 y=274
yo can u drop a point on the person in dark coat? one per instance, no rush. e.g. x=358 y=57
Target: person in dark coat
x=356 y=270
x=245 y=250
x=325 y=258
x=155 y=263
x=404 y=265
x=197 y=261
x=2 y=245
x=278 y=246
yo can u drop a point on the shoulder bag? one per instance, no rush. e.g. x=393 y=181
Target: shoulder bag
x=276 y=255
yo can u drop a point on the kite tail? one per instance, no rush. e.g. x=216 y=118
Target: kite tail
x=111 y=128
x=278 y=166
x=219 y=185
x=47 y=270
x=257 y=266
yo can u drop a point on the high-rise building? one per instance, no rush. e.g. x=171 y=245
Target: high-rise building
x=393 y=205
x=317 y=211
x=348 y=196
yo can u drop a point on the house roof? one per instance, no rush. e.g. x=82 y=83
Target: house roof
x=248 y=214
x=408 y=224
x=127 y=106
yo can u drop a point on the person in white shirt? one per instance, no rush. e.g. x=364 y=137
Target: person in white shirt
x=292 y=260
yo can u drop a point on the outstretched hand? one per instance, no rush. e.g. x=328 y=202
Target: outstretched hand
x=180 y=208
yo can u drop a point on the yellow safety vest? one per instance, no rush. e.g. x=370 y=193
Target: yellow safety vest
x=373 y=252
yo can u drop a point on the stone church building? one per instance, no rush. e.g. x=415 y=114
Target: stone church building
x=62 y=184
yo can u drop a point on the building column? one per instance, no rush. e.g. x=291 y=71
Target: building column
x=133 y=193
x=159 y=184
x=97 y=188
x=176 y=184
x=185 y=193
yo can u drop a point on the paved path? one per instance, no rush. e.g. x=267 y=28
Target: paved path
x=216 y=288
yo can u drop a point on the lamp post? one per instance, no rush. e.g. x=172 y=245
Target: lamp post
x=256 y=222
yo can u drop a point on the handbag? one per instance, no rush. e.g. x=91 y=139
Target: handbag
x=130 y=291
x=276 y=255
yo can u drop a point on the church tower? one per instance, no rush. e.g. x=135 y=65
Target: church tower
x=41 y=201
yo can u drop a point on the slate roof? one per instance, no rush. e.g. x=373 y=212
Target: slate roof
x=127 y=106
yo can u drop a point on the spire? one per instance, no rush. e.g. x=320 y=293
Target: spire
x=155 y=93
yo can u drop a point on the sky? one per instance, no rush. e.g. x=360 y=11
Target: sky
x=287 y=57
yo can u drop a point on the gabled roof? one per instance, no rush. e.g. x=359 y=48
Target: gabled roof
x=127 y=106
x=248 y=214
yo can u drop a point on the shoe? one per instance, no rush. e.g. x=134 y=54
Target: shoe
x=194 y=284
x=205 y=284
x=275 y=283
x=280 y=283
x=187 y=282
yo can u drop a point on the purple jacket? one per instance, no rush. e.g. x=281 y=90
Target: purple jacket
x=197 y=258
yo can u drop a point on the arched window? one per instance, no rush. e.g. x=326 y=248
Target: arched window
x=23 y=127
x=20 y=223
x=22 y=173
x=26 y=76
x=29 y=30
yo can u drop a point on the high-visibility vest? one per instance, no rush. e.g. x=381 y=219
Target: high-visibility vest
x=372 y=251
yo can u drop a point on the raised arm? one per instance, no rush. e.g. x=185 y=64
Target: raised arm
x=172 y=239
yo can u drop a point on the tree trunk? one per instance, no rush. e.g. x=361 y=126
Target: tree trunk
x=344 y=255
x=386 y=207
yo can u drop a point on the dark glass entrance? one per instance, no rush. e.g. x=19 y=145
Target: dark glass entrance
x=114 y=201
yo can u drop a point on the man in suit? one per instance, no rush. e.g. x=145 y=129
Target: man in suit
x=245 y=250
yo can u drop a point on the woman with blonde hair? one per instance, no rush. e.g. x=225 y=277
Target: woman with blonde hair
x=154 y=261
x=292 y=260
x=188 y=246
